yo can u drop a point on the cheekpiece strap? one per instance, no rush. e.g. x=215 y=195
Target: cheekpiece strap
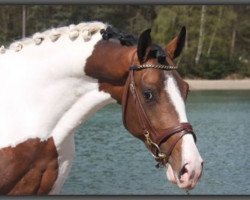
x=163 y=67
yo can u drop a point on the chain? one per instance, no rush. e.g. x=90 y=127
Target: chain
x=164 y=67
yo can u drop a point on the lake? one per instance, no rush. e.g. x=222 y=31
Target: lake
x=110 y=161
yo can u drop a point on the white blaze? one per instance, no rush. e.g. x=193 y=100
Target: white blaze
x=175 y=96
x=190 y=152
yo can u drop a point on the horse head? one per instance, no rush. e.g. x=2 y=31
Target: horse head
x=154 y=109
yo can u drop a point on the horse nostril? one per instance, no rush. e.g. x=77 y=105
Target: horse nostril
x=183 y=171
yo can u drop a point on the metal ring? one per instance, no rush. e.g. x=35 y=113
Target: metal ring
x=159 y=155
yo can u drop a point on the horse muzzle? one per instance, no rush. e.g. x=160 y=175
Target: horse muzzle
x=187 y=173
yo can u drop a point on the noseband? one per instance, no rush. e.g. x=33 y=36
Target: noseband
x=152 y=138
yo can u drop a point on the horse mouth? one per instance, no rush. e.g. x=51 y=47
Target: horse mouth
x=184 y=179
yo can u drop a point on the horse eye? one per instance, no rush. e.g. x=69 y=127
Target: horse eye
x=148 y=95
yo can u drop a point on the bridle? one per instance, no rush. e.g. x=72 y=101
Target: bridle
x=152 y=138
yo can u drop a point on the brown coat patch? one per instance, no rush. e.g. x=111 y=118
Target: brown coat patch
x=29 y=168
x=109 y=64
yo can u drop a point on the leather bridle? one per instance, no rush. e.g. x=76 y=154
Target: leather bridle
x=152 y=138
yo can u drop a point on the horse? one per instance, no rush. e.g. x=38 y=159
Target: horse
x=54 y=80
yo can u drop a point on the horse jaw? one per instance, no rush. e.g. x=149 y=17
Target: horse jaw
x=188 y=174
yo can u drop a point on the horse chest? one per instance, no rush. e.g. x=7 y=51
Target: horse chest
x=29 y=168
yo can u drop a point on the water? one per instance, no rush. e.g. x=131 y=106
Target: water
x=111 y=161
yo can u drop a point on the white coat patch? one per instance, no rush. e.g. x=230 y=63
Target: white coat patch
x=45 y=92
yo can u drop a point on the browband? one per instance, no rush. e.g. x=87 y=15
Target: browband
x=144 y=66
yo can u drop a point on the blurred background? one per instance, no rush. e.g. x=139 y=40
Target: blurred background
x=218 y=37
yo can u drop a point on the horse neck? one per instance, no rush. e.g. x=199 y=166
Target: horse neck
x=109 y=64
x=46 y=92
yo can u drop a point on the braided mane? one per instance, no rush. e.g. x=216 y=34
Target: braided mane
x=85 y=29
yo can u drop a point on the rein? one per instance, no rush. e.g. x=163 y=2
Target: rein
x=152 y=138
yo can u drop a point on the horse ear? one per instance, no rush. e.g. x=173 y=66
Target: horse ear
x=143 y=43
x=175 y=46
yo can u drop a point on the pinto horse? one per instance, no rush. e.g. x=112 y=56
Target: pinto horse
x=52 y=82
